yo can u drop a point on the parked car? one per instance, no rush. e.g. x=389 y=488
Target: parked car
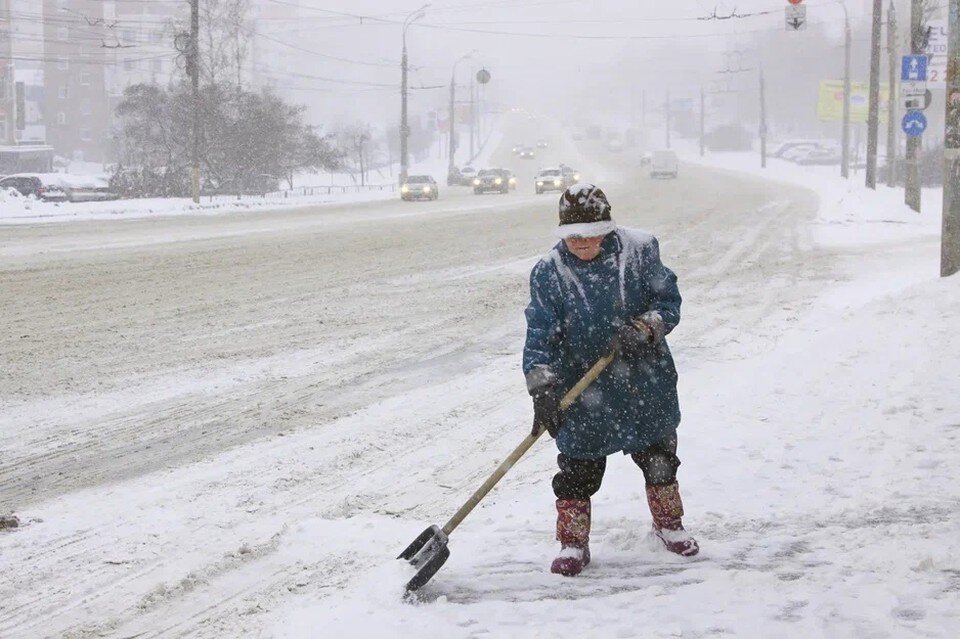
x=821 y=156
x=664 y=163
x=43 y=186
x=88 y=188
x=541 y=143
x=782 y=148
x=549 y=179
x=799 y=150
x=419 y=187
x=492 y=180
x=527 y=153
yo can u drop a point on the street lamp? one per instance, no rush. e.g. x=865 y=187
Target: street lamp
x=404 y=127
x=452 y=120
x=845 y=143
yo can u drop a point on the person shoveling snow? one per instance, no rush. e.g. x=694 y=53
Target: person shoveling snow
x=601 y=288
x=600 y=295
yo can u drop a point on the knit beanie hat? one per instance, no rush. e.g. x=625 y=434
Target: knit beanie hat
x=584 y=212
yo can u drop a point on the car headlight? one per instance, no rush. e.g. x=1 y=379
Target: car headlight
x=513 y=180
x=557 y=182
x=576 y=177
x=476 y=182
x=498 y=181
x=404 y=189
x=539 y=183
x=426 y=189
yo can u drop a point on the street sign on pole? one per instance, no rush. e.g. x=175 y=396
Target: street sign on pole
x=914 y=123
x=914 y=95
x=796 y=17
x=913 y=68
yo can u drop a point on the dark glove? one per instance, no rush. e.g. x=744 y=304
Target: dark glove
x=546 y=410
x=632 y=339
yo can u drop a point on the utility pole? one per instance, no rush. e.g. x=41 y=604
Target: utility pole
x=845 y=135
x=892 y=99
x=453 y=117
x=763 y=122
x=911 y=195
x=473 y=115
x=950 y=236
x=667 y=111
x=643 y=117
x=404 y=126
x=873 y=113
x=194 y=66
x=452 y=120
x=702 y=120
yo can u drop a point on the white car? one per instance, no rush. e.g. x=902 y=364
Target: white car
x=664 y=164
x=550 y=179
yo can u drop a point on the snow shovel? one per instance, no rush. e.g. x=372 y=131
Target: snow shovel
x=429 y=551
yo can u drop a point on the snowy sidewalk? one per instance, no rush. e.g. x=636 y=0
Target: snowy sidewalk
x=819 y=477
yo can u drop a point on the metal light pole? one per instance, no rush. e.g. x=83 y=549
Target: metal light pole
x=453 y=120
x=911 y=181
x=404 y=127
x=845 y=136
x=950 y=236
x=892 y=98
x=763 y=121
x=702 y=120
x=195 y=86
x=873 y=116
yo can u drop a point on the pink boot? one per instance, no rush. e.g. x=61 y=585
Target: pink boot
x=667 y=509
x=573 y=533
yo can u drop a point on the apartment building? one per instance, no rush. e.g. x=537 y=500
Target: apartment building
x=7 y=99
x=76 y=112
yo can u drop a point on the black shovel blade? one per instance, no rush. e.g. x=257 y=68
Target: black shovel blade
x=428 y=569
x=427 y=554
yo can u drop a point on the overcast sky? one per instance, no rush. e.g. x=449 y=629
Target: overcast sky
x=576 y=53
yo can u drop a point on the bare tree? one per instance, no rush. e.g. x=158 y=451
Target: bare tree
x=225 y=40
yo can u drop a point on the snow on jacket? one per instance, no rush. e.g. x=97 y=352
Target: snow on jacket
x=575 y=309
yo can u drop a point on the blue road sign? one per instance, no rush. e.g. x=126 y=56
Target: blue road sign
x=914 y=123
x=913 y=68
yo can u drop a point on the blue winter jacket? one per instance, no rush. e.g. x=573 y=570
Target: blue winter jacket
x=575 y=309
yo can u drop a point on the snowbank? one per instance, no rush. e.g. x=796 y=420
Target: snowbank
x=849 y=214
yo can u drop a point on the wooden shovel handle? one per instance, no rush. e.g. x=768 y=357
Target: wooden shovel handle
x=525 y=445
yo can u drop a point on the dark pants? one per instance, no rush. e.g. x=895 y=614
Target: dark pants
x=581 y=478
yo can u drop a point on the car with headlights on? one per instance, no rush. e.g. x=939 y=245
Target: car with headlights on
x=419 y=187
x=541 y=143
x=511 y=179
x=550 y=179
x=492 y=181
x=570 y=176
x=527 y=153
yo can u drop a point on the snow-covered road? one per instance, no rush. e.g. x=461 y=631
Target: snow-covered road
x=226 y=426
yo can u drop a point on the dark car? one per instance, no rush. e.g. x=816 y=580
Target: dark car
x=511 y=179
x=43 y=186
x=492 y=181
x=570 y=176
x=419 y=187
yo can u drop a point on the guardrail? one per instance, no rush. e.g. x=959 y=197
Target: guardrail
x=306 y=191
